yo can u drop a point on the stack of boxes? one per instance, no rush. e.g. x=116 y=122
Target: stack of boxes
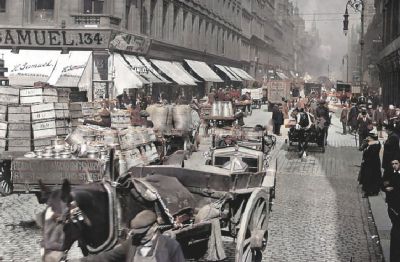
x=79 y=110
x=120 y=119
x=19 y=128
x=38 y=95
x=49 y=120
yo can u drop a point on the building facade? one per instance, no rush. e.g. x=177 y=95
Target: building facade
x=256 y=35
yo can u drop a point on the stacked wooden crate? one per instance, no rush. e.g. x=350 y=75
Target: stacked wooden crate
x=80 y=110
x=38 y=95
x=49 y=120
x=9 y=95
x=63 y=95
x=3 y=128
x=19 y=128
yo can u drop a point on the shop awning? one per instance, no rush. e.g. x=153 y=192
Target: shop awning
x=173 y=71
x=282 y=76
x=228 y=73
x=69 y=69
x=148 y=65
x=30 y=66
x=242 y=74
x=144 y=70
x=125 y=77
x=203 y=71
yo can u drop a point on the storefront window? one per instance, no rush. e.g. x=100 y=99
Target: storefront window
x=44 y=5
x=93 y=6
x=2 y=6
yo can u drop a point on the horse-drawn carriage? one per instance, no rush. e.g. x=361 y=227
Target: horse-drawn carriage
x=315 y=134
x=230 y=194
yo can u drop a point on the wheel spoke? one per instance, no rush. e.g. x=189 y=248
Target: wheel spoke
x=247 y=254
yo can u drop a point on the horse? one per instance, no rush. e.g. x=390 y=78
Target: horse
x=92 y=214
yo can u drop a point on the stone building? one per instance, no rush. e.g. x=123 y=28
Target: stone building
x=389 y=57
x=253 y=35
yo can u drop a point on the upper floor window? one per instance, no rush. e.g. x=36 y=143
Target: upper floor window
x=93 y=6
x=44 y=5
x=2 y=6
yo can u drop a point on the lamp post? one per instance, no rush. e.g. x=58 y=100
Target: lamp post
x=358 y=6
x=347 y=66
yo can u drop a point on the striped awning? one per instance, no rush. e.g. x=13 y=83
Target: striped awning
x=232 y=76
x=203 y=71
x=173 y=71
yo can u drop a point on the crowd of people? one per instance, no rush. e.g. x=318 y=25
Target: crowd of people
x=376 y=175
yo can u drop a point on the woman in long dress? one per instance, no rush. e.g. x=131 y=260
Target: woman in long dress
x=370 y=172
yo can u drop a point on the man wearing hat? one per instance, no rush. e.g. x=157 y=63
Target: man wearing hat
x=391 y=186
x=370 y=172
x=323 y=112
x=145 y=244
x=391 y=147
x=364 y=125
x=105 y=119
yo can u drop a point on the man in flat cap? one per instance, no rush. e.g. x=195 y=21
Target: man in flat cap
x=145 y=244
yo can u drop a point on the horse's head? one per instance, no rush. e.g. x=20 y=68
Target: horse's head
x=71 y=215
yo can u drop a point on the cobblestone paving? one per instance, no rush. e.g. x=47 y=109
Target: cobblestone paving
x=318 y=214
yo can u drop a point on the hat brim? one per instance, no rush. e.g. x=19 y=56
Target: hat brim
x=141 y=230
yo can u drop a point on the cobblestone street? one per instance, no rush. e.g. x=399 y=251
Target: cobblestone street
x=318 y=214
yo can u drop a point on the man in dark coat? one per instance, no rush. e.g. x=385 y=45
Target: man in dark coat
x=370 y=172
x=344 y=118
x=145 y=244
x=353 y=114
x=323 y=112
x=363 y=125
x=391 y=148
x=277 y=117
x=391 y=185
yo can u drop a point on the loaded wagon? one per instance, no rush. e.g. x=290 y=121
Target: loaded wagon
x=232 y=196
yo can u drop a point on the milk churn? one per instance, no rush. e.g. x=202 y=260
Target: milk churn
x=182 y=117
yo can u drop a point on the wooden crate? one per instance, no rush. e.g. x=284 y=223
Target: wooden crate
x=38 y=95
x=41 y=143
x=19 y=145
x=20 y=127
x=3 y=144
x=49 y=107
x=3 y=129
x=19 y=134
x=3 y=112
x=9 y=95
x=19 y=114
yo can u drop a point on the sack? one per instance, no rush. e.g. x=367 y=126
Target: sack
x=304 y=121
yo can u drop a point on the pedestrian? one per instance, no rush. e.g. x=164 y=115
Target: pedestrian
x=277 y=118
x=146 y=243
x=391 y=186
x=370 y=171
x=391 y=112
x=391 y=147
x=379 y=119
x=322 y=112
x=344 y=118
x=364 y=126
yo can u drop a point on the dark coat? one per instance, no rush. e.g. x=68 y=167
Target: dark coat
x=168 y=250
x=277 y=117
x=391 y=179
x=323 y=112
x=391 y=149
x=370 y=172
x=363 y=126
x=353 y=114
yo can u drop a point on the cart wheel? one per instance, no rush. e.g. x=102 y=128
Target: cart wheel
x=254 y=220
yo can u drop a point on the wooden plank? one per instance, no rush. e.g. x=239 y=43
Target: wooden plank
x=3 y=117
x=38 y=92
x=18 y=118
x=21 y=142
x=44 y=115
x=19 y=148
x=19 y=134
x=22 y=109
x=9 y=91
x=3 y=109
x=42 y=142
x=43 y=125
x=38 y=99
x=3 y=125
x=9 y=99
x=3 y=143
x=62 y=131
x=45 y=133
x=62 y=114
x=19 y=127
x=3 y=133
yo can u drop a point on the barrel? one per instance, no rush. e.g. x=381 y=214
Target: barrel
x=182 y=117
x=159 y=115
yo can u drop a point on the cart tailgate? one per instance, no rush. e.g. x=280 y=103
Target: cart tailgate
x=26 y=172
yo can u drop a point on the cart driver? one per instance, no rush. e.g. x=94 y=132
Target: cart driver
x=303 y=123
x=145 y=243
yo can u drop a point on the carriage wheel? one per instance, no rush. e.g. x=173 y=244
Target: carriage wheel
x=254 y=220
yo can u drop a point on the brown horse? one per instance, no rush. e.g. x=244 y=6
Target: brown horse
x=92 y=214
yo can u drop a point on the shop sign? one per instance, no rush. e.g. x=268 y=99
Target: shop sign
x=130 y=43
x=54 y=38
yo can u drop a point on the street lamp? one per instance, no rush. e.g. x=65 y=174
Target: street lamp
x=358 y=6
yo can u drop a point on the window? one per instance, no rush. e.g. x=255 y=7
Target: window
x=44 y=5
x=2 y=6
x=93 y=6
